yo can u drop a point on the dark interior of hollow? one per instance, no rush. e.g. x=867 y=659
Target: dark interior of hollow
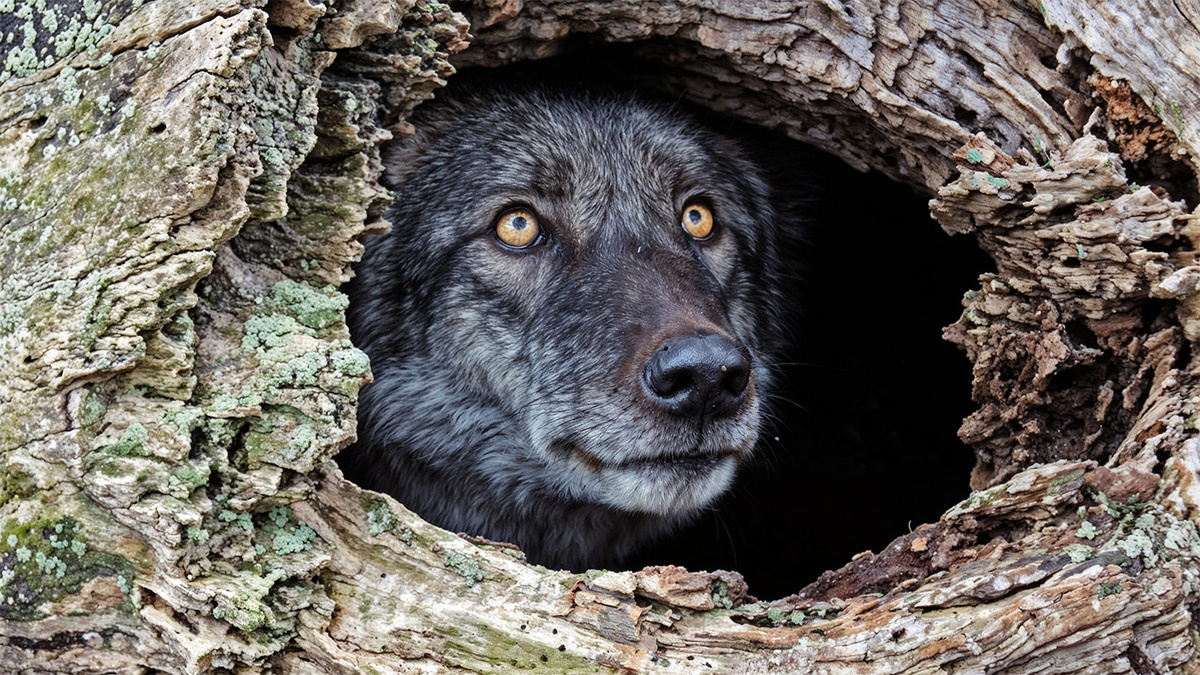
x=862 y=442
x=862 y=445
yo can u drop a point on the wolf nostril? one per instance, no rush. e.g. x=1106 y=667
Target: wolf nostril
x=668 y=382
x=697 y=374
x=735 y=377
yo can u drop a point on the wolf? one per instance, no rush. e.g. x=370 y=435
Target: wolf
x=570 y=323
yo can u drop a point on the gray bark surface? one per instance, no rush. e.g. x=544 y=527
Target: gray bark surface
x=184 y=184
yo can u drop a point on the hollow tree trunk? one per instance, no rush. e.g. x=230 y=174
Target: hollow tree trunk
x=183 y=184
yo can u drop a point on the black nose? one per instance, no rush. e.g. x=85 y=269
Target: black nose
x=695 y=374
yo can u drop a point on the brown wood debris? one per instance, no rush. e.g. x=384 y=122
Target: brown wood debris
x=1066 y=337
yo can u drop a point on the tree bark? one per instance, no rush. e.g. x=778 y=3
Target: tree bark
x=185 y=184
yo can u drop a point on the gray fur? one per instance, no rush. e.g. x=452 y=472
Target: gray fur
x=508 y=401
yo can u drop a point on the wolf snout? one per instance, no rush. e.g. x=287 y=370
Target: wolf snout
x=697 y=374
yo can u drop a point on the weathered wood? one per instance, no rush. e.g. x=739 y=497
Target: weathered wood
x=183 y=184
x=888 y=86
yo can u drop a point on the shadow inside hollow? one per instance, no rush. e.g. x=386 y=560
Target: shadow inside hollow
x=862 y=445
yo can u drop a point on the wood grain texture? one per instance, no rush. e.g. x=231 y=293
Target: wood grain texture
x=184 y=184
x=892 y=86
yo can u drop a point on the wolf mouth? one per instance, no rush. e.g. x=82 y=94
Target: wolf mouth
x=689 y=463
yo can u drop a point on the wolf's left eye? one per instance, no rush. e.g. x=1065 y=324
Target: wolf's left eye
x=518 y=228
x=697 y=221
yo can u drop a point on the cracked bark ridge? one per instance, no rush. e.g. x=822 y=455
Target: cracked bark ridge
x=891 y=86
x=154 y=431
x=185 y=183
x=1069 y=347
x=1055 y=584
x=1150 y=46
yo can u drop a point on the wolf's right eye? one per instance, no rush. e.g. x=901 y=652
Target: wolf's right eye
x=518 y=228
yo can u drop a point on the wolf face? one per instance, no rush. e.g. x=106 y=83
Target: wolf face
x=569 y=323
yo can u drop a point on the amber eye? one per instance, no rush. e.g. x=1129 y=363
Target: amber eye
x=697 y=220
x=518 y=228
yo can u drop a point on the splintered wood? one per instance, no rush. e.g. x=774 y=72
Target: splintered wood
x=1069 y=342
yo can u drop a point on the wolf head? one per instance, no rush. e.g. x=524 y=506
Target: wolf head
x=570 y=322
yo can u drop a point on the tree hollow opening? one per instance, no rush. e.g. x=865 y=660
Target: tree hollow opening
x=860 y=443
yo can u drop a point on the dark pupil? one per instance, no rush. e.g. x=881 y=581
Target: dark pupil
x=519 y=222
x=694 y=216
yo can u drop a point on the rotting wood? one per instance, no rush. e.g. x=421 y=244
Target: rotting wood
x=184 y=182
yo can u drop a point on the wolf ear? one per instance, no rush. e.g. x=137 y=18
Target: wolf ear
x=403 y=156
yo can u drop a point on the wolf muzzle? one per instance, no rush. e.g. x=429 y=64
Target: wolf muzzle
x=700 y=375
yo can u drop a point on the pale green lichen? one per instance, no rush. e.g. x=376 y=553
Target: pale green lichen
x=1138 y=543
x=294 y=540
x=191 y=476
x=44 y=561
x=279 y=516
x=244 y=604
x=41 y=34
x=263 y=333
x=350 y=362
x=51 y=565
x=720 y=595
x=242 y=520
x=1182 y=536
x=223 y=403
x=1079 y=552
x=467 y=568
x=300 y=371
x=286 y=438
x=296 y=354
x=301 y=442
x=779 y=617
x=50 y=20
x=285 y=537
x=131 y=443
x=307 y=305
x=91 y=8
x=1145 y=521
x=68 y=84
x=91 y=409
x=1087 y=531
x=380 y=518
